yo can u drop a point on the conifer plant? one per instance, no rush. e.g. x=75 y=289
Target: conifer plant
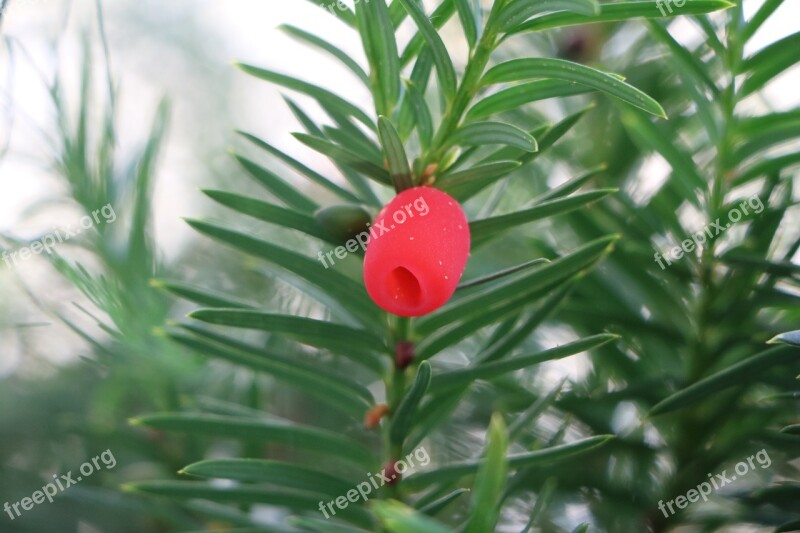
x=402 y=344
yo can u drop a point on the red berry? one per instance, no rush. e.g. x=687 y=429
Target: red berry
x=403 y=354
x=417 y=252
x=390 y=472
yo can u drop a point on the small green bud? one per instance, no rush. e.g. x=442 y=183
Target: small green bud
x=343 y=222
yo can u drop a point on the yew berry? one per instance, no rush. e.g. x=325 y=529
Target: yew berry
x=391 y=473
x=418 y=249
x=403 y=354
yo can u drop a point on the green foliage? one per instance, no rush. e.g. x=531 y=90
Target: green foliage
x=114 y=310
x=364 y=335
x=490 y=480
x=458 y=134
x=676 y=380
x=695 y=367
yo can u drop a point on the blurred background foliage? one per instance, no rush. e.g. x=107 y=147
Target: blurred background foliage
x=84 y=333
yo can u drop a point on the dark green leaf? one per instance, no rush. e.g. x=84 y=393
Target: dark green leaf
x=792 y=338
x=560 y=128
x=347 y=294
x=356 y=143
x=488 y=228
x=233 y=494
x=418 y=43
x=481 y=133
x=421 y=114
x=318 y=93
x=568 y=187
x=321 y=525
x=349 y=397
x=784 y=122
x=358 y=181
x=621 y=11
x=692 y=67
x=271 y=213
x=454 y=472
x=524 y=93
x=282 y=190
x=544 y=68
x=542 y=501
x=517 y=286
x=501 y=274
x=547 y=137
x=508 y=339
x=659 y=138
x=272 y=472
x=463 y=184
x=490 y=480
x=518 y=11
x=395 y=155
x=499 y=310
x=399 y=518
x=484 y=371
x=469 y=21
x=792 y=525
x=765 y=266
x=278 y=431
x=769 y=62
x=356 y=344
x=441 y=57
x=406 y=413
x=540 y=406
x=377 y=33
x=314 y=176
x=346 y=157
x=325 y=46
x=763 y=13
x=433 y=508
x=420 y=76
x=742 y=373
x=793 y=429
x=198 y=295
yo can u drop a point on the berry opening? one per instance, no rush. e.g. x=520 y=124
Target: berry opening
x=405 y=287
